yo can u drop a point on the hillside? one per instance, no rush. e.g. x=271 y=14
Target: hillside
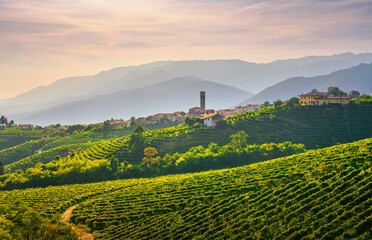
x=355 y=78
x=313 y=126
x=251 y=77
x=10 y=137
x=319 y=194
x=170 y=96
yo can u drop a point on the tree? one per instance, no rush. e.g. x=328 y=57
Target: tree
x=314 y=90
x=335 y=91
x=355 y=93
x=136 y=144
x=139 y=129
x=277 y=103
x=114 y=163
x=18 y=221
x=133 y=121
x=190 y=121
x=73 y=128
x=292 y=102
x=265 y=104
x=149 y=153
x=3 y=121
x=106 y=124
x=89 y=127
x=239 y=140
x=11 y=123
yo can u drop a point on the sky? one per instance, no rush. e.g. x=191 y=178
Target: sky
x=42 y=41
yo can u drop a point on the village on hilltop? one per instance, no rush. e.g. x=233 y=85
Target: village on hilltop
x=210 y=117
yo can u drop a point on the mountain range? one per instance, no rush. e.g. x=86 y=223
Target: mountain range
x=169 y=96
x=356 y=78
x=131 y=91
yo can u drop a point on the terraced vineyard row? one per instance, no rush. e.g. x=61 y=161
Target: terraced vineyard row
x=46 y=156
x=10 y=137
x=109 y=148
x=320 y=194
x=13 y=154
x=314 y=126
x=55 y=200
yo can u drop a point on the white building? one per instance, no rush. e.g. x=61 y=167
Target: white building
x=210 y=119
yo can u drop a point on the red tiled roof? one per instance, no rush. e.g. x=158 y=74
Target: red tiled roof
x=208 y=115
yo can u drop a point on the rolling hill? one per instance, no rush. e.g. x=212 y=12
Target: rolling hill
x=170 y=96
x=355 y=78
x=313 y=126
x=319 y=194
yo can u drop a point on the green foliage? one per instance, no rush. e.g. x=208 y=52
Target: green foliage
x=133 y=121
x=265 y=104
x=319 y=194
x=277 y=103
x=13 y=136
x=239 y=140
x=77 y=168
x=46 y=156
x=335 y=91
x=21 y=222
x=323 y=193
x=73 y=128
x=293 y=102
x=3 y=121
x=139 y=129
x=313 y=195
x=314 y=126
x=314 y=90
x=13 y=154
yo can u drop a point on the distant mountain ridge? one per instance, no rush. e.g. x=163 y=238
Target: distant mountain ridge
x=355 y=78
x=173 y=95
x=251 y=77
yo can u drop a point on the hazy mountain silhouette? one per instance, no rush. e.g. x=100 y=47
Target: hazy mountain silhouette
x=251 y=77
x=173 y=95
x=355 y=78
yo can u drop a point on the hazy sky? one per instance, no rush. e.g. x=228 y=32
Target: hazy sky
x=45 y=40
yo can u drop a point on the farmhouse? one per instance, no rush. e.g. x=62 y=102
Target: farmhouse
x=211 y=119
x=117 y=122
x=27 y=126
x=318 y=98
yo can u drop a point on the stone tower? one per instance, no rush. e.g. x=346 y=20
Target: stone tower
x=202 y=101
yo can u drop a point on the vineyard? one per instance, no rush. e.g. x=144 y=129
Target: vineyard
x=322 y=194
x=319 y=194
x=10 y=137
x=46 y=156
x=13 y=154
x=98 y=162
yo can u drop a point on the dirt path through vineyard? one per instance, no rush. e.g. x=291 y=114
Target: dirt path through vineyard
x=80 y=232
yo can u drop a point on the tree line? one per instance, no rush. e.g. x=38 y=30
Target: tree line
x=5 y=123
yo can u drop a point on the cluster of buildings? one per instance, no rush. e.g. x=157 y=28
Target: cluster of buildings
x=210 y=117
x=319 y=98
x=153 y=119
